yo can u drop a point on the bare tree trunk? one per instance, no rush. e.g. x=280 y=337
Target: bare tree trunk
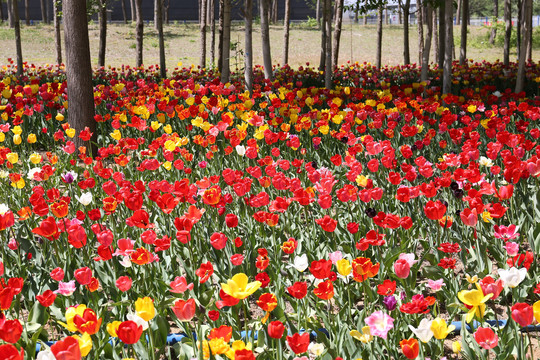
x=400 y=15
x=529 y=43
x=318 y=12
x=494 y=22
x=226 y=72
x=365 y=19
x=102 y=32
x=221 y=26
x=43 y=12
x=458 y=12
x=430 y=13
x=265 y=37
x=155 y=14
x=18 y=44
x=356 y=11
x=420 y=27
x=449 y=40
x=463 y=49
x=328 y=47
x=26 y=12
x=386 y=14
x=133 y=7
x=519 y=26
x=274 y=11
x=202 y=20
x=286 y=32
x=337 y=33
x=124 y=12
x=322 y=59
x=248 y=59
x=161 y=38
x=442 y=34
x=78 y=70
x=379 y=37
x=435 y=36
x=2 y=12
x=57 y=36
x=527 y=28
x=406 y=49
x=11 y=18
x=212 y=23
x=508 y=32
x=139 y=32
x=166 y=5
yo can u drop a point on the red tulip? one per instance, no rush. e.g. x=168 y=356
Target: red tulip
x=276 y=329
x=185 y=310
x=486 y=338
x=298 y=343
x=47 y=298
x=123 y=283
x=244 y=354
x=6 y=220
x=10 y=352
x=523 y=314
x=67 y=349
x=327 y=223
x=129 y=332
x=434 y=210
x=410 y=348
x=402 y=268
x=83 y=275
x=10 y=330
x=469 y=217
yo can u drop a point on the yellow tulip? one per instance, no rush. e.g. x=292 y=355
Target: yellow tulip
x=17 y=140
x=113 y=327
x=70 y=132
x=12 y=157
x=476 y=299
x=71 y=312
x=456 y=347
x=85 y=343
x=344 y=267
x=116 y=135
x=145 y=308
x=364 y=337
x=167 y=128
x=239 y=288
x=440 y=329
x=536 y=310
x=31 y=139
x=35 y=158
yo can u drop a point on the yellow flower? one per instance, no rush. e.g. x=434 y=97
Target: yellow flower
x=71 y=312
x=59 y=117
x=70 y=132
x=218 y=346
x=475 y=299
x=145 y=308
x=364 y=337
x=2 y=137
x=35 y=158
x=536 y=310
x=471 y=279
x=113 y=327
x=155 y=125
x=236 y=346
x=19 y=184
x=167 y=128
x=239 y=288
x=85 y=343
x=31 y=139
x=440 y=329
x=456 y=347
x=12 y=157
x=344 y=267
x=116 y=135
x=167 y=165
x=17 y=140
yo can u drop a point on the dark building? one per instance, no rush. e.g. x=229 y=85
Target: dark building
x=179 y=10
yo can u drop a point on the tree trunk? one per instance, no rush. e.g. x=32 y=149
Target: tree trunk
x=442 y=34
x=286 y=32
x=458 y=12
x=161 y=38
x=400 y=14
x=527 y=28
x=274 y=11
x=18 y=44
x=337 y=33
x=420 y=27
x=322 y=60
x=102 y=32
x=494 y=22
x=435 y=36
x=406 y=49
x=449 y=40
x=26 y=12
x=133 y=7
x=508 y=32
x=265 y=37
x=365 y=19
x=529 y=42
x=202 y=20
x=2 y=12
x=386 y=15
x=212 y=22
x=221 y=26
x=139 y=32
x=248 y=34
x=124 y=12
x=328 y=47
x=155 y=15
x=430 y=14
x=465 y=16
x=78 y=70
x=318 y=12
x=11 y=19
x=379 y=37
x=166 y=5
x=43 y=12
x=519 y=26
x=225 y=72
x=356 y=11
x=57 y=36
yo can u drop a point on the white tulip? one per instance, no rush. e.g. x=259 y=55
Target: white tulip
x=512 y=277
x=85 y=198
x=423 y=332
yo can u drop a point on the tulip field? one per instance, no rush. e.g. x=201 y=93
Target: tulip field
x=377 y=220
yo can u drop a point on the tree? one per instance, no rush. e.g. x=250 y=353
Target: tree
x=337 y=32
x=57 y=35
x=221 y=26
x=526 y=31
x=494 y=22
x=158 y=9
x=139 y=32
x=508 y=31
x=17 y=26
x=435 y=37
x=102 y=31
x=406 y=6
x=226 y=44
x=43 y=12
x=328 y=47
x=26 y=12
x=430 y=14
x=202 y=23
x=124 y=12
x=379 y=36
x=212 y=23
x=78 y=69
x=11 y=19
x=449 y=41
x=286 y=31
x=265 y=37
x=420 y=25
x=464 y=23
x=442 y=33
x=318 y=13
x=133 y=10
x=248 y=59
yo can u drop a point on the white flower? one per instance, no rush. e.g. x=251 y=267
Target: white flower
x=409 y=258
x=138 y=320
x=3 y=209
x=316 y=349
x=85 y=198
x=33 y=171
x=484 y=161
x=3 y=174
x=126 y=262
x=512 y=277
x=300 y=263
x=240 y=150
x=497 y=94
x=45 y=355
x=423 y=332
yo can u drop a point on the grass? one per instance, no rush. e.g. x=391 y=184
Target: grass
x=358 y=44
